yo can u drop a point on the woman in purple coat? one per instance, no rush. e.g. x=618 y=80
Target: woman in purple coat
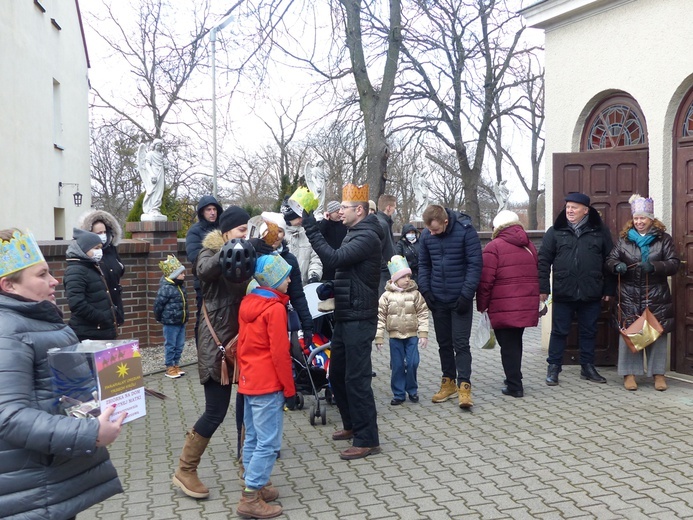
x=509 y=292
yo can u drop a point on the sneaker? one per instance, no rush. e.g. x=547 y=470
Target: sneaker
x=414 y=398
x=178 y=369
x=172 y=372
x=448 y=389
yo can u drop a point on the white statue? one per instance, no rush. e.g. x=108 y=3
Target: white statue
x=150 y=165
x=315 y=179
x=420 y=195
x=502 y=194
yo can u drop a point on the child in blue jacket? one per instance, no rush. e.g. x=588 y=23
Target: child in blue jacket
x=171 y=310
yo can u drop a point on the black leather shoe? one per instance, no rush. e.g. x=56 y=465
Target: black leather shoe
x=512 y=393
x=396 y=402
x=414 y=398
x=552 y=375
x=590 y=373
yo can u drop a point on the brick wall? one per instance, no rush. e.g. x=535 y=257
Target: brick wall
x=151 y=243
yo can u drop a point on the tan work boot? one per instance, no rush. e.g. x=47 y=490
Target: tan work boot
x=465 y=393
x=448 y=389
x=629 y=383
x=172 y=372
x=253 y=506
x=185 y=476
x=178 y=369
x=660 y=382
x=269 y=493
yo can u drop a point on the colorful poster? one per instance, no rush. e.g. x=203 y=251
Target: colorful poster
x=120 y=381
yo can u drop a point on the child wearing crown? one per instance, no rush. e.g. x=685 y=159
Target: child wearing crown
x=403 y=313
x=171 y=310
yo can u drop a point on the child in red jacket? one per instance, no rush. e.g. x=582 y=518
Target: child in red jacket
x=265 y=381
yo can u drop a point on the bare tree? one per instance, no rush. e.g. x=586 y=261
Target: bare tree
x=458 y=55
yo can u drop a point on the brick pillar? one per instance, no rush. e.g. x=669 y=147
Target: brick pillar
x=163 y=240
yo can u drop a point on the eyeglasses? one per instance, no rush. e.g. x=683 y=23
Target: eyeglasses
x=344 y=208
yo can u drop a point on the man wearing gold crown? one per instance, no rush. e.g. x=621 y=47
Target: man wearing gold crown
x=53 y=465
x=357 y=274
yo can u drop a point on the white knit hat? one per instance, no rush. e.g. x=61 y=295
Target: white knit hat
x=505 y=218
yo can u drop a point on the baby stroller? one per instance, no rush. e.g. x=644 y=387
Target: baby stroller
x=311 y=365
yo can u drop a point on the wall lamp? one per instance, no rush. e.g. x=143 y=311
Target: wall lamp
x=76 y=196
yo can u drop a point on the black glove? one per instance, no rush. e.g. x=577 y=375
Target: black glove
x=647 y=267
x=308 y=219
x=313 y=278
x=463 y=305
x=430 y=300
x=325 y=291
x=290 y=402
x=620 y=268
x=261 y=247
x=307 y=338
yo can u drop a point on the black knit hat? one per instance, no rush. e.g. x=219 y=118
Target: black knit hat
x=232 y=217
x=86 y=240
x=289 y=214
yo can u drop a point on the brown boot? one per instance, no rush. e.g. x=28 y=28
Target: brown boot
x=448 y=389
x=185 y=476
x=660 y=382
x=269 y=493
x=465 y=393
x=629 y=383
x=253 y=506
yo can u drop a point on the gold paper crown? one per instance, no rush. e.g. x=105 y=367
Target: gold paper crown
x=20 y=252
x=171 y=267
x=354 y=193
x=272 y=233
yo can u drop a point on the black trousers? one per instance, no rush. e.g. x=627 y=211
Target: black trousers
x=452 y=332
x=217 y=399
x=510 y=341
x=351 y=374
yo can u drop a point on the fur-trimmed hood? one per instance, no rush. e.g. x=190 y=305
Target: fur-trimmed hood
x=213 y=240
x=113 y=229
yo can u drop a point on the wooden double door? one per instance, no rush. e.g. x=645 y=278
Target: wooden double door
x=609 y=178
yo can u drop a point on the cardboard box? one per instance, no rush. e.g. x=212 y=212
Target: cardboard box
x=106 y=372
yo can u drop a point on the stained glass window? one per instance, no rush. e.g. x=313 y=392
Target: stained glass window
x=614 y=124
x=687 y=130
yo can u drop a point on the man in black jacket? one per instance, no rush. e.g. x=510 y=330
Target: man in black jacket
x=208 y=213
x=576 y=246
x=334 y=232
x=387 y=205
x=357 y=271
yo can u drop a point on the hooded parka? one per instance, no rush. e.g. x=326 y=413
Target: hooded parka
x=50 y=467
x=639 y=290
x=93 y=315
x=409 y=250
x=222 y=299
x=509 y=286
x=111 y=266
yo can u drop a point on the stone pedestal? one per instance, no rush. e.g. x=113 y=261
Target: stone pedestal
x=163 y=241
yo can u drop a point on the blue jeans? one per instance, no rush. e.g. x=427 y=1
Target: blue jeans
x=404 y=361
x=452 y=332
x=587 y=316
x=264 y=420
x=174 y=341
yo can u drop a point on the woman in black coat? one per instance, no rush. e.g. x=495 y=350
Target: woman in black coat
x=93 y=314
x=644 y=258
x=408 y=246
x=106 y=226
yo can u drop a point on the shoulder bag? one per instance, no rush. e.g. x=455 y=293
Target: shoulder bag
x=228 y=352
x=645 y=330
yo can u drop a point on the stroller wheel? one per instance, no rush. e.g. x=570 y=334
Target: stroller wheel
x=312 y=415
x=301 y=402
x=323 y=416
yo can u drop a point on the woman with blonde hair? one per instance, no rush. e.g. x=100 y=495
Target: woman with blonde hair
x=643 y=258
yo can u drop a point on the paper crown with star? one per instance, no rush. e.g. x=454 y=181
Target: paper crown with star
x=641 y=206
x=398 y=267
x=171 y=267
x=354 y=193
x=20 y=252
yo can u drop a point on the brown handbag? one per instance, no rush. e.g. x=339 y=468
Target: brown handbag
x=228 y=353
x=645 y=330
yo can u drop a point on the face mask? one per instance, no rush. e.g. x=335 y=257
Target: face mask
x=411 y=237
x=103 y=237
x=97 y=255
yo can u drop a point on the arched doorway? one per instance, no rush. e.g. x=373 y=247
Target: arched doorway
x=682 y=232
x=611 y=166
